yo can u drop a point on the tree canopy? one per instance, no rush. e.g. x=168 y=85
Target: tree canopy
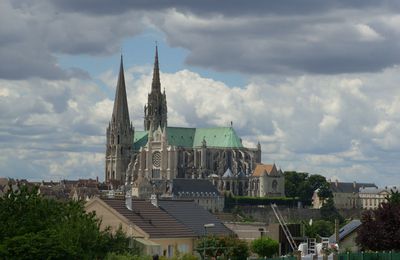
x=380 y=228
x=229 y=247
x=303 y=185
x=322 y=228
x=33 y=227
x=265 y=247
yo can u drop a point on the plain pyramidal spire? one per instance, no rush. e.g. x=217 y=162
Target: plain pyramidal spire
x=156 y=84
x=120 y=111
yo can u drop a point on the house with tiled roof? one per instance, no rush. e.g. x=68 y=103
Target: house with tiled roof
x=152 y=228
x=347 y=237
x=267 y=180
x=159 y=226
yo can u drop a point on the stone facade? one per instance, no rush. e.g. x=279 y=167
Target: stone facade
x=119 y=135
x=372 y=197
x=345 y=194
x=161 y=153
x=203 y=192
x=267 y=180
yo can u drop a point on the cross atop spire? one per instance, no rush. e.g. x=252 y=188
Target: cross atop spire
x=121 y=111
x=156 y=84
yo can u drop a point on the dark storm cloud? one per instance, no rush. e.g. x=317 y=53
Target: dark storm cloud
x=268 y=37
x=256 y=38
x=228 y=8
x=33 y=33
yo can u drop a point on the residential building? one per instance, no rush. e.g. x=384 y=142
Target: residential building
x=345 y=194
x=347 y=237
x=159 y=226
x=372 y=197
x=203 y=192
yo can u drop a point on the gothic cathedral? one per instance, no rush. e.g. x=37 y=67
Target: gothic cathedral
x=148 y=160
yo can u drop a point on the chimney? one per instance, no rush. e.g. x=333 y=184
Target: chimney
x=336 y=182
x=154 y=200
x=354 y=184
x=128 y=199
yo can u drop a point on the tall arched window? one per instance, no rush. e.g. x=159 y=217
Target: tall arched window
x=274 y=185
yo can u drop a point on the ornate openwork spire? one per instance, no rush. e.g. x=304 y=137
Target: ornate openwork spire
x=156 y=84
x=155 y=112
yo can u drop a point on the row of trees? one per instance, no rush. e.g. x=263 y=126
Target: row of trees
x=33 y=227
x=236 y=249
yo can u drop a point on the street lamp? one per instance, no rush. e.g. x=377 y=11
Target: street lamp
x=210 y=225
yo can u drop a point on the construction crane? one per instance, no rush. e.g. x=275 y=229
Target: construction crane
x=284 y=226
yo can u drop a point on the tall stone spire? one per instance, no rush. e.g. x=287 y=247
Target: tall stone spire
x=121 y=111
x=155 y=112
x=120 y=135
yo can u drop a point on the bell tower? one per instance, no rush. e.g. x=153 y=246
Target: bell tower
x=120 y=133
x=155 y=112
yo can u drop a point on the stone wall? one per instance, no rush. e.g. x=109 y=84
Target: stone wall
x=265 y=213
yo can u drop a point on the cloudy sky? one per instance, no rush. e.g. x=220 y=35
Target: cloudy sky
x=316 y=82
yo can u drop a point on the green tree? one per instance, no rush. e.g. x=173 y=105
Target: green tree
x=325 y=192
x=229 y=247
x=380 y=228
x=265 y=247
x=303 y=185
x=329 y=211
x=236 y=249
x=292 y=181
x=33 y=227
x=393 y=198
x=210 y=246
x=320 y=228
x=316 y=181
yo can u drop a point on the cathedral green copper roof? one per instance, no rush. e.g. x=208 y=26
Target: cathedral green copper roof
x=140 y=139
x=220 y=137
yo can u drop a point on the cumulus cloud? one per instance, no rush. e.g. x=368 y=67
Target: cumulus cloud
x=322 y=91
x=321 y=124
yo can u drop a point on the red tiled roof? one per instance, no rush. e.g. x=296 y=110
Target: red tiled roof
x=261 y=168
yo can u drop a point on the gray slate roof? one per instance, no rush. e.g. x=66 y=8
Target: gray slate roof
x=194 y=217
x=346 y=230
x=349 y=187
x=193 y=185
x=228 y=174
x=153 y=220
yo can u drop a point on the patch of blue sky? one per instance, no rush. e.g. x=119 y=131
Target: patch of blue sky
x=139 y=51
